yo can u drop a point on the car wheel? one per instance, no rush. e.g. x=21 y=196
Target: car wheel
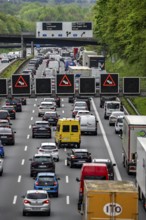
x=116 y=132
x=24 y=213
x=33 y=136
x=39 y=115
x=56 y=194
x=78 y=145
x=48 y=213
x=31 y=174
x=110 y=124
x=58 y=159
x=71 y=165
x=13 y=143
x=1 y=173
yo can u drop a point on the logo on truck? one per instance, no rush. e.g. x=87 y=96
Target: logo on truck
x=112 y=209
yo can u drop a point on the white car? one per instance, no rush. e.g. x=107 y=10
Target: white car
x=80 y=104
x=49 y=148
x=119 y=125
x=82 y=112
x=50 y=99
x=46 y=106
x=113 y=117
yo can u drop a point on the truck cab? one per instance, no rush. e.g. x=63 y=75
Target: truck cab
x=111 y=106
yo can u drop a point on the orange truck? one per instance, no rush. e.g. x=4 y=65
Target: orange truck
x=110 y=200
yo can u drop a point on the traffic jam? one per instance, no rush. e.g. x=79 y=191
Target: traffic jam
x=70 y=156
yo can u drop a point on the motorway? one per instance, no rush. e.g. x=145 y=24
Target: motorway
x=16 y=178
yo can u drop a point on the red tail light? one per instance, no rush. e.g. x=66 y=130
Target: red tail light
x=73 y=157
x=81 y=189
x=27 y=201
x=13 y=111
x=55 y=183
x=36 y=183
x=46 y=202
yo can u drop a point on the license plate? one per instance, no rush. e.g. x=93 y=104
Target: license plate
x=42 y=166
x=46 y=188
x=81 y=161
x=42 y=129
x=3 y=136
x=50 y=119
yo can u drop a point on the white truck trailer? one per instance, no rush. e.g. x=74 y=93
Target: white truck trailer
x=85 y=56
x=141 y=170
x=133 y=126
x=80 y=71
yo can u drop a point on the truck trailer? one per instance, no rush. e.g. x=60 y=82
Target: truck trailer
x=133 y=126
x=110 y=200
x=80 y=71
x=141 y=170
x=85 y=56
x=96 y=61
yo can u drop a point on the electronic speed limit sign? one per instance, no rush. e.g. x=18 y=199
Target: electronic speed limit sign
x=112 y=209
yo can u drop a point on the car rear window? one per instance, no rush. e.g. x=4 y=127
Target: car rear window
x=5 y=131
x=74 y=128
x=37 y=196
x=47 y=147
x=46 y=179
x=45 y=159
x=3 y=114
x=65 y=128
x=81 y=154
x=52 y=114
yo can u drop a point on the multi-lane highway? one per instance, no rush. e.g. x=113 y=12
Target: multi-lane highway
x=16 y=178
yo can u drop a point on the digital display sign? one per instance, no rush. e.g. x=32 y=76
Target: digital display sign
x=81 y=26
x=52 y=26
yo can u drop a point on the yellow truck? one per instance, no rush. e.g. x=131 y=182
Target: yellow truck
x=110 y=200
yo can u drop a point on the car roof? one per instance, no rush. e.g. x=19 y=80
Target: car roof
x=37 y=191
x=42 y=155
x=117 y=112
x=44 y=122
x=80 y=102
x=50 y=112
x=4 y=120
x=46 y=103
x=80 y=150
x=7 y=106
x=5 y=128
x=3 y=110
x=49 y=144
x=46 y=174
x=101 y=160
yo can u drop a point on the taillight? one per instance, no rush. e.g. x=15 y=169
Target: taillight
x=81 y=190
x=73 y=157
x=36 y=183
x=26 y=201
x=46 y=202
x=55 y=183
x=13 y=111
x=41 y=150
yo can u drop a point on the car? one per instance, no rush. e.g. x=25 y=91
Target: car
x=47 y=181
x=36 y=201
x=80 y=104
x=45 y=106
x=58 y=101
x=51 y=148
x=109 y=165
x=82 y=112
x=77 y=157
x=5 y=60
x=76 y=109
x=1 y=167
x=104 y=99
x=5 y=123
x=16 y=103
x=23 y=101
x=50 y=99
x=71 y=99
x=2 y=152
x=119 y=125
x=41 y=163
x=11 y=110
x=7 y=135
x=4 y=114
x=113 y=117
x=84 y=99
x=51 y=116
x=41 y=129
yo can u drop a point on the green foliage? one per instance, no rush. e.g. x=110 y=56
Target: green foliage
x=128 y=107
x=140 y=104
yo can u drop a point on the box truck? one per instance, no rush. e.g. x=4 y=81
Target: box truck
x=85 y=56
x=80 y=71
x=110 y=200
x=141 y=170
x=96 y=61
x=133 y=126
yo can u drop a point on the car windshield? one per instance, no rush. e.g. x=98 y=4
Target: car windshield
x=46 y=178
x=41 y=124
x=45 y=159
x=37 y=196
x=120 y=120
x=81 y=154
x=113 y=105
x=48 y=147
x=50 y=114
x=3 y=114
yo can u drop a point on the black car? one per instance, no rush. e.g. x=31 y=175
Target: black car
x=51 y=117
x=11 y=110
x=109 y=164
x=58 y=101
x=23 y=100
x=41 y=129
x=7 y=135
x=71 y=99
x=16 y=102
x=77 y=157
x=4 y=114
x=104 y=99
x=41 y=163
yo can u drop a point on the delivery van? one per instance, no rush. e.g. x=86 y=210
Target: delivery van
x=88 y=124
x=68 y=132
x=91 y=171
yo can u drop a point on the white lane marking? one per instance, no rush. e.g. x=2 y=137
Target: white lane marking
x=19 y=179
x=29 y=126
x=65 y=162
x=14 y=200
x=67 y=200
x=22 y=162
x=106 y=142
x=36 y=100
x=62 y=100
x=28 y=136
x=63 y=111
x=34 y=105
x=25 y=148
x=33 y=111
x=62 y=105
x=67 y=179
x=31 y=118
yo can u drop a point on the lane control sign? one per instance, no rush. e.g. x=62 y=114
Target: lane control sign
x=43 y=86
x=3 y=87
x=109 y=83
x=21 y=84
x=65 y=84
x=87 y=85
x=131 y=85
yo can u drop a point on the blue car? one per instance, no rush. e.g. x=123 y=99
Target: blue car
x=47 y=181
x=2 y=153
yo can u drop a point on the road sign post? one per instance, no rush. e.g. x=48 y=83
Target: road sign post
x=3 y=87
x=87 y=85
x=21 y=84
x=131 y=85
x=43 y=86
x=109 y=83
x=65 y=84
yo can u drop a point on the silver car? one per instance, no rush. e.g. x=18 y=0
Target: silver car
x=46 y=106
x=1 y=167
x=36 y=201
x=49 y=148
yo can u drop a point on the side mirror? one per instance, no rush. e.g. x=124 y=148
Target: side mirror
x=58 y=178
x=23 y=196
x=77 y=179
x=34 y=178
x=114 y=164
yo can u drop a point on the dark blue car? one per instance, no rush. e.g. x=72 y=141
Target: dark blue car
x=47 y=181
x=2 y=153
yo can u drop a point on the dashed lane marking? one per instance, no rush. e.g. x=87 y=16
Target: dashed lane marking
x=14 y=200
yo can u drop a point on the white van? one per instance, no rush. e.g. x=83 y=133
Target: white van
x=88 y=124
x=111 y=106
